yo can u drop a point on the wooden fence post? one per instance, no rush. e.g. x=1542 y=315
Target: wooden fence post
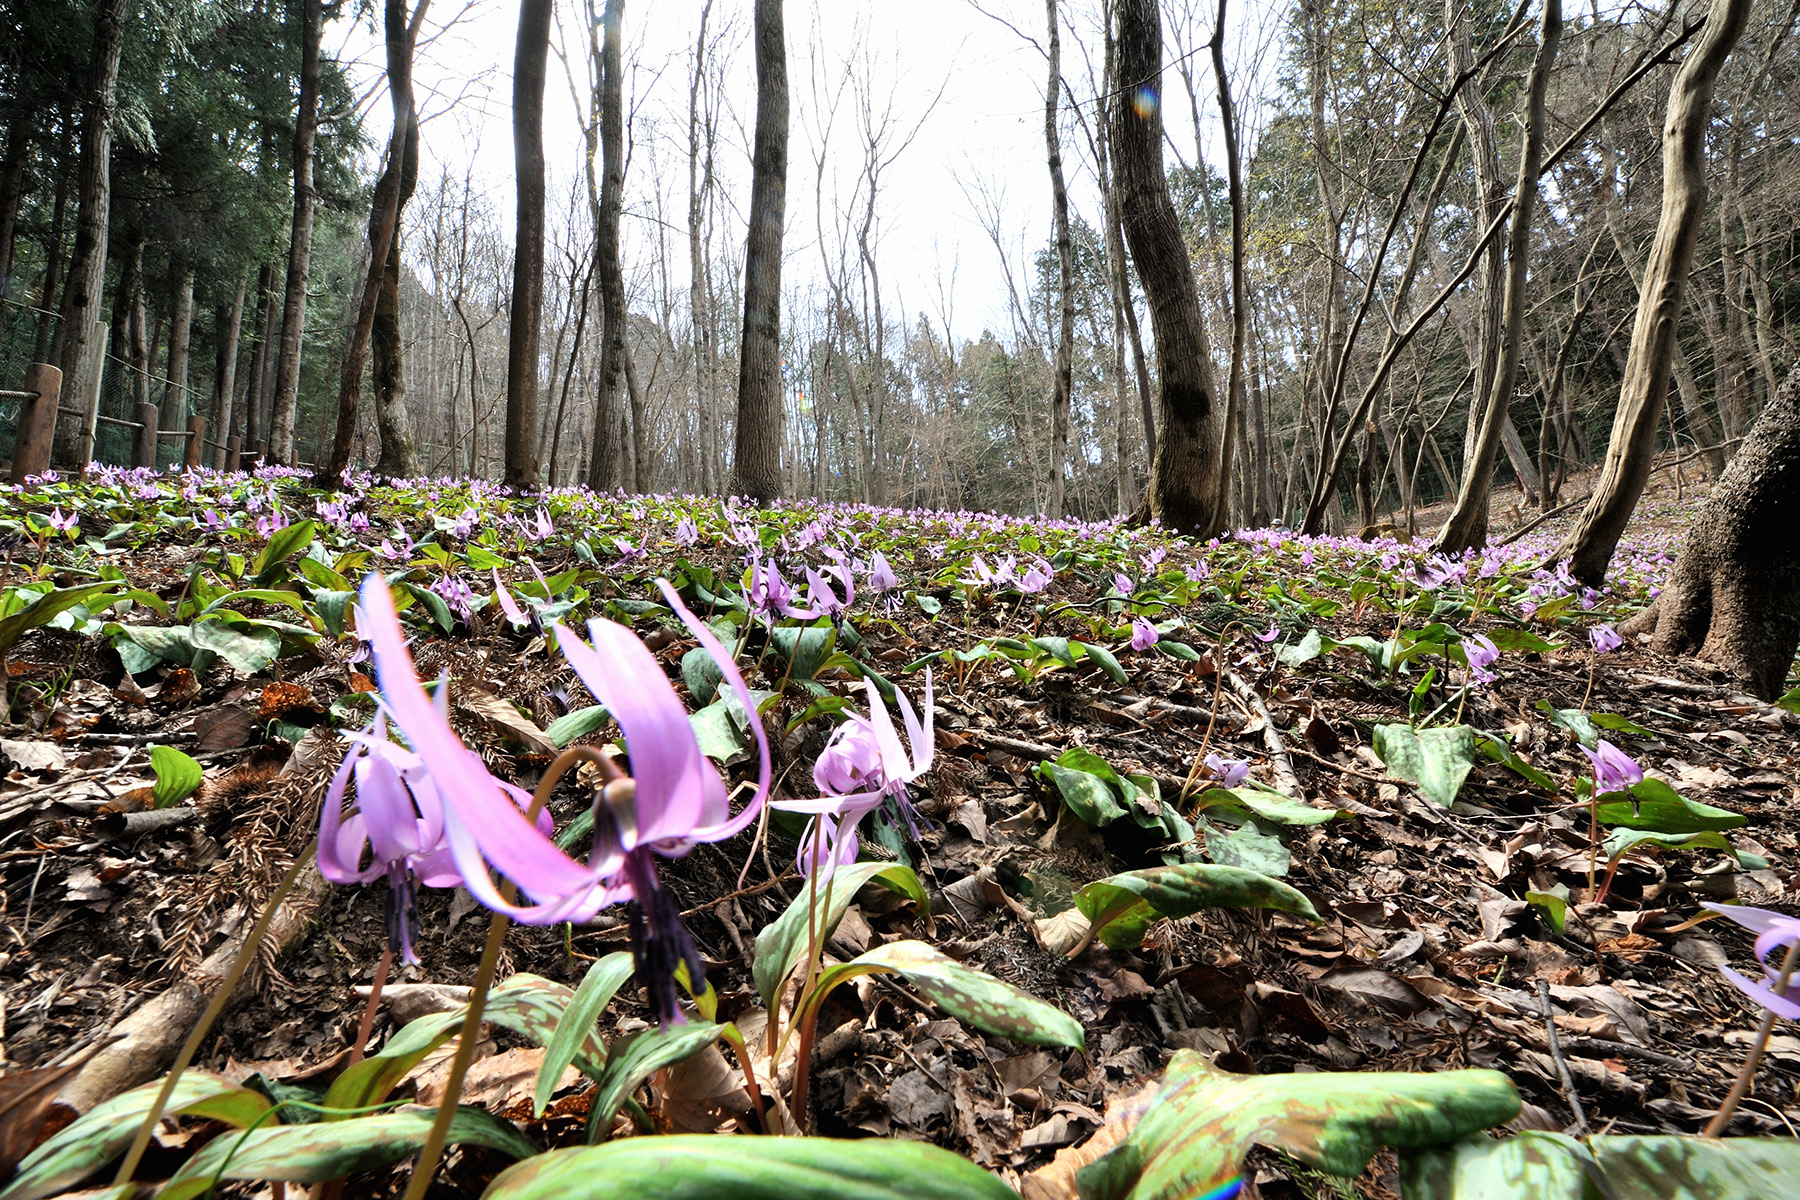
x=36 y=428
x=144 y=443
x=234 y=451
x=196 y=443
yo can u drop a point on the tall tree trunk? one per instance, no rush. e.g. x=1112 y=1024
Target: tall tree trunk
x=174 y=403
x=530 y=55
x=756 y=466
x=1240 y=288
x=1646 y=385
x=699 y=184
x=1466 y=526
x=1184 y=477
x=228 y=324
x=12 y=195
x=86 y=278
x=1064 y=367
x=282 y=409
x=256 y=395
x=391 y=190
x=399 y=453
x=609 y=452
x=1730 y=598
x=48 y=345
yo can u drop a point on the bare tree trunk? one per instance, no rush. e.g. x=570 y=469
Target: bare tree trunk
x=603 y=467
x=530 y=57
x=1184 y=476
x=1730 y=599
x=1466 y=526
x=257 y=394
x=12 y=195
x=174 y=403
x=229 y=322
x=756 y=468
x=48 y=345
x=1065 y=263
x=1646 y=384
x=393 y=424
x=86 y=278
x=1240 y=287
x=699 y=185
x=280 y=447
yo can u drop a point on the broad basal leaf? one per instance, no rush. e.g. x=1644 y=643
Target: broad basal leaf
x=247 y=646
x=177 y=776
x=1657 y=806
x=102 y=1133
x=333 y=1149
x=782 y=943
x=574 y=1037
x=635 y=1058
x=973 y=997
x=1195 y=1134
x=1438 y=760
x=1121 y=907
x=1624 y=841
x=701 y=1167
x=1553 y=1166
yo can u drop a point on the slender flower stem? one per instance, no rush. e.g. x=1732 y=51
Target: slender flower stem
x=246 y=953
x=433 y=1149
x=366 y=1026
x=1746 y=1075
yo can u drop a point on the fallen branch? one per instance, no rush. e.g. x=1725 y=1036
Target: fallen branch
x=1285 y=777
x=149 y=1038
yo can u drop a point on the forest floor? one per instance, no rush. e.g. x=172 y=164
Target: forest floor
x=1429 y=955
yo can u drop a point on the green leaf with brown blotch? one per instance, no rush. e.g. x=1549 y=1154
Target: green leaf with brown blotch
x=101 y=1134
x=333 y=1149
x=782 y=943
x=529 y=1005
x=973 y=997
x=574 y=1037
x=1624 y=841
x=704 y=1167
x=635 y=1058
x=1553 y=1166
x=1438 y=760
x=1121 y=907
x=1195 y=1133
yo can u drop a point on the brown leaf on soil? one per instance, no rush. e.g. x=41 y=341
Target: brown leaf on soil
x=495 y=1082
x=703 y=1092
x=500 y=716
x=361 y=683
x=1057 y=1180
x=225 y=727
x=178 y=687
x=26 y=1099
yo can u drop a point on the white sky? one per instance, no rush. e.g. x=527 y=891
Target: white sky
x=986 y=126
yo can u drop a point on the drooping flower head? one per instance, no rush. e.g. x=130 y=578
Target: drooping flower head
x=1143 y=634
x=1614 y=770
x=1774 y=931
x=1482 y=654
x=1227 y=772
x=1604 y=639
x=863 y=765
x=881 y=575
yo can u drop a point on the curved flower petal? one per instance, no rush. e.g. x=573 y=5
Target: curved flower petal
x=721 y=825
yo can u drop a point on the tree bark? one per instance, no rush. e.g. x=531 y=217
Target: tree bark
x=174 y=403
x=609 y=450
x=86 y=278
x=1466 y=526
x=12 y=195
x=280 y=448
x=1184 y=476
x=1240 y=287
x=229 y=322
x=530 y=56
x=756 y=466
x=1064 y=369
x=1646 y=384
x=393 y=424
x=1731 y=597
x=256 y=394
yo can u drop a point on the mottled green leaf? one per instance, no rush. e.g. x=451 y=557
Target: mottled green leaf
x=102 y=1133
x=1088 y=795
x=1195 y=1133
x=1624 y=841
x=975 y=997
x=1438 y=760
x=283 y=544
x=247 y=646
x=1657 y=806
x=334 y=1149
x=1499 y=750
x=1573 y=720
x=1269 y=806
x=574 y=1036
x=702 y=1167
x=701 y=672
x=529 y=1005
x=1512 y=641
x=635 y=1057
x=1251 y=849
x=1306 y=649
x=1615 y=722
x=1106 y=661
x=50 y=605
x=1121 y=907
x=1554 y=1166
x=782 y=943
x=806 y=647
x=721 y=737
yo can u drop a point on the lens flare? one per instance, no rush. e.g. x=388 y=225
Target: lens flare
x=1144 y=101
